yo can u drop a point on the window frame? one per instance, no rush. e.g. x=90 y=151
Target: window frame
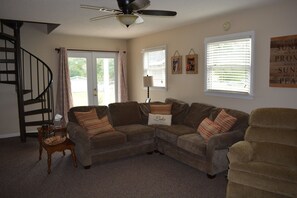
x=226 y=93
x=152 y=49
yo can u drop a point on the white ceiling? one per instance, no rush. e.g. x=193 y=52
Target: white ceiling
x=75 y=20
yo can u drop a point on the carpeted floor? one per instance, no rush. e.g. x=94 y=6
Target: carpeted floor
x=22 y=175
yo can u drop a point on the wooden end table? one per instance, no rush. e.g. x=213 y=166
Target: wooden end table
x=61 y=147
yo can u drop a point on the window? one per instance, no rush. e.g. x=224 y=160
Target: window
x=229 y=65
x=154 y=64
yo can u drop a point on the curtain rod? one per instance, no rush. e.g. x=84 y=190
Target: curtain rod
x=58 y=50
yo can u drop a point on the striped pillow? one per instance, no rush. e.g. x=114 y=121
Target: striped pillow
x=163 y=109
x=225 y=120
x=83 y=116
x=97 y=126
x=208 y=128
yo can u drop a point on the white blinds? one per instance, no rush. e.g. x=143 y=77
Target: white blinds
x=228 y=65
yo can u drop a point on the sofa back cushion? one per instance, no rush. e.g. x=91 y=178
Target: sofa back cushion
x=277 y=154
x=179 y=110
x=273 y=125
x=100 y=110
x=273 y=135
x=125 y=113
x=197 y=113
x=279 y=118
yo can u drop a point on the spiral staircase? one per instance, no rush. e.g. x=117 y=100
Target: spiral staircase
x=31 y=77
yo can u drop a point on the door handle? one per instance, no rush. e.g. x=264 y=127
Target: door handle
x=95 y=92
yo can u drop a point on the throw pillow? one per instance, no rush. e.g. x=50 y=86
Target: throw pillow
x=96 y=126
x=159 y=119
x=164 y=109
x=83 y=116
x=208 y=128
x=225 y=120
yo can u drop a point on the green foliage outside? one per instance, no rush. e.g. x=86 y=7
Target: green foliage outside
x=77 y=67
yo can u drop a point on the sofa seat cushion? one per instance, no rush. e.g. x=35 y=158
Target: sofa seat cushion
x=171 y=133
x=136 y=132
x=193 y=143
x=265 y=176
x=108 y=139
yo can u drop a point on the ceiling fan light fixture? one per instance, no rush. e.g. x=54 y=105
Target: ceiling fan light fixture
x=127 y=19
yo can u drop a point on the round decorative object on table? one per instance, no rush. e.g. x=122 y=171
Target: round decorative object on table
x=54 y=140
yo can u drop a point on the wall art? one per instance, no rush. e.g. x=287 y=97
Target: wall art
x=176 y=63
x=283 y=61
x=192 y=62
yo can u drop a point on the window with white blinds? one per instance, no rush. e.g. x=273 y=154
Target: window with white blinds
x=154 y=64
x=229 y=64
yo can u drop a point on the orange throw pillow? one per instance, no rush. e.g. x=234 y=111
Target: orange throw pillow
x=208 y=128
x=97 y=126
x=163 y=109
x=83 y=116
x=225 y=120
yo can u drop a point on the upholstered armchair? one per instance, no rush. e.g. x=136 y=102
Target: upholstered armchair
x=265 y=163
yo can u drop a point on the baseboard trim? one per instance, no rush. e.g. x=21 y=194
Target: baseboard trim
x=9 y=135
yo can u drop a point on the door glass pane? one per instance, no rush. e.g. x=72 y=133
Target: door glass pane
x=78 y=78
x=105 y=68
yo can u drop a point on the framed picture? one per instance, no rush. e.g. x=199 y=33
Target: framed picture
x=192 y=64
x=176 y=64
x=283 y=61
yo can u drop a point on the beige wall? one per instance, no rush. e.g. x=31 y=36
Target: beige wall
x=36 y=41
x=267 y=22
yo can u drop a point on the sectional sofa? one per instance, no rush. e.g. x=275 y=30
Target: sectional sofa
x=180 y=140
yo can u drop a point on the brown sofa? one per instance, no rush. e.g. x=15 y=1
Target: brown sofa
x=265 y=163
x=179 y=141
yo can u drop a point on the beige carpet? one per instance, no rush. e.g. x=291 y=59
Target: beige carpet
x=142 y=176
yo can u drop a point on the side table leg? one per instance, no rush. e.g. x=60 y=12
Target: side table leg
x=73 y=157
x=49 y=161
x=40 y=151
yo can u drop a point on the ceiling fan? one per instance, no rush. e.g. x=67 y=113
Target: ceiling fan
x=129 y=11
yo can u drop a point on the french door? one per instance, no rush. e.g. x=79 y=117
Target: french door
x=93 y=77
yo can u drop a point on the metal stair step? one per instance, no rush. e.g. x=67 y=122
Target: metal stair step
x=11 y=82
x=26 y=91
x=7 y=61
x=7 y=49
x=38 y=123
x=7 y=36
x=33 y=101
x=7 y=72
x=38 y=111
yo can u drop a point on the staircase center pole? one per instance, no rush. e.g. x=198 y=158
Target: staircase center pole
x=19 y=79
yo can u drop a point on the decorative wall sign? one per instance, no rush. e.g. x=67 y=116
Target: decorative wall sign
x=176 y=63
x=283 y=61
x=192 y=63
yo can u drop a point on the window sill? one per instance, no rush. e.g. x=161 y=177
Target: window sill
x=229 y=95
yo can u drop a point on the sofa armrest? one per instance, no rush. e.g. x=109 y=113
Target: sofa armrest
x=77 y=132
x=240 y=152
x=222 y=141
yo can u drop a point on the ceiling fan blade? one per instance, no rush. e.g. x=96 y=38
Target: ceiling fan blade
x=157 y=12
x=102 y=17
x=139 y=4
x=102 y=9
